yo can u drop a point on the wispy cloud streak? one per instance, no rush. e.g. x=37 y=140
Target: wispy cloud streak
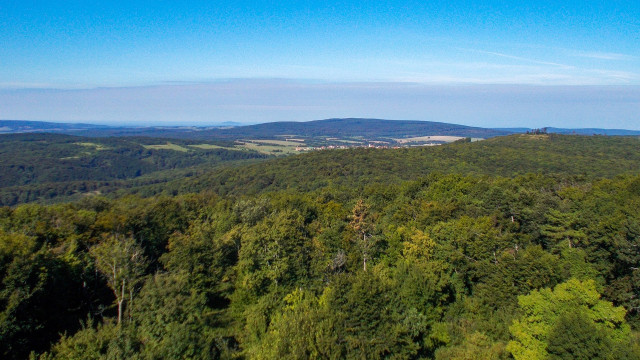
x=520 y=58
x=605 y=56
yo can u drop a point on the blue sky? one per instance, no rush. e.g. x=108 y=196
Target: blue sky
x=55 y=56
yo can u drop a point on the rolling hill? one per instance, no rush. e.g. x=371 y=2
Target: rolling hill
x=508 y=156
x=341 y=128
x=346 y=128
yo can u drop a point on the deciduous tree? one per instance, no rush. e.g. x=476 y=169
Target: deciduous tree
x=122 y=263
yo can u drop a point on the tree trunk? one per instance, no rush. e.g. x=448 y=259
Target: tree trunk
x=364 y=252
x=130 y=306
x=120 y=302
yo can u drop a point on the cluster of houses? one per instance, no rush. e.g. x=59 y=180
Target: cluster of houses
x=330 y=147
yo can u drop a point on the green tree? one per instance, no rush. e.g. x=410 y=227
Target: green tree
x=41 y=295
x=474 y=346
x=90 y=343
x=302 y=329
x=366 y=319
x=563 y=226
x=172 y=321
x=576 y=337
x=274 y=253
x=122 y=263
x=546 y=311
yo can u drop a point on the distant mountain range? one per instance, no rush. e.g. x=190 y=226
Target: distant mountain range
x=20 y=126
x=343 y=128
x=352 y=127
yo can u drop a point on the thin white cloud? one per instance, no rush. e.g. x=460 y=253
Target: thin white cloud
x=605 y=56
x=623 y=76
x=539 y=78
x=14 y=85
x=508 y=56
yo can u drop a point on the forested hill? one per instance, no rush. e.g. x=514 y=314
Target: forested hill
x=588 y=157
x=353 y=127
x=49 y=166
x=341 y=128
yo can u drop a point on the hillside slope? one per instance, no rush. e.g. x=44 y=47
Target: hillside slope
x=590 y=157
x=352 y=127
x=45 y=166
x=71 y=166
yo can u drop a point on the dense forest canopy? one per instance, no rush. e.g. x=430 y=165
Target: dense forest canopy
x=43 y=167
x=524 y=247
x=353 y=169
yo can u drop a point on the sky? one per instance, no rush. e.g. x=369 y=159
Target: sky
x=490 y=63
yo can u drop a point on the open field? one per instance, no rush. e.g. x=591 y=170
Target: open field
x=428 y=138
x=288 y=142
x=210 y=147
x=167 y=146
x=93 y=145
x=346 y=141
x=269 y=147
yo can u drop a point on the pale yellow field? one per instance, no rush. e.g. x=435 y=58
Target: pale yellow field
x=348 y=141
x=429 y=138
x=276 y=142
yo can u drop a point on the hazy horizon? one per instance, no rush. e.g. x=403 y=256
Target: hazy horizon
x=518 y=64
x=260 y=101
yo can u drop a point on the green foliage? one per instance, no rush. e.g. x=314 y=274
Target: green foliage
x=562 y=229
x=459 y=264
x=574 y=336
x=274 y=253
x=474 y=346
x=172 y=320
x=121 y=262
x=87 y=343
x=356 y=169
x=48 y=166
x=570 y=308
x=41 y=294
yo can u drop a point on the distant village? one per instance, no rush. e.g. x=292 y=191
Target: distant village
x=371 y=145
